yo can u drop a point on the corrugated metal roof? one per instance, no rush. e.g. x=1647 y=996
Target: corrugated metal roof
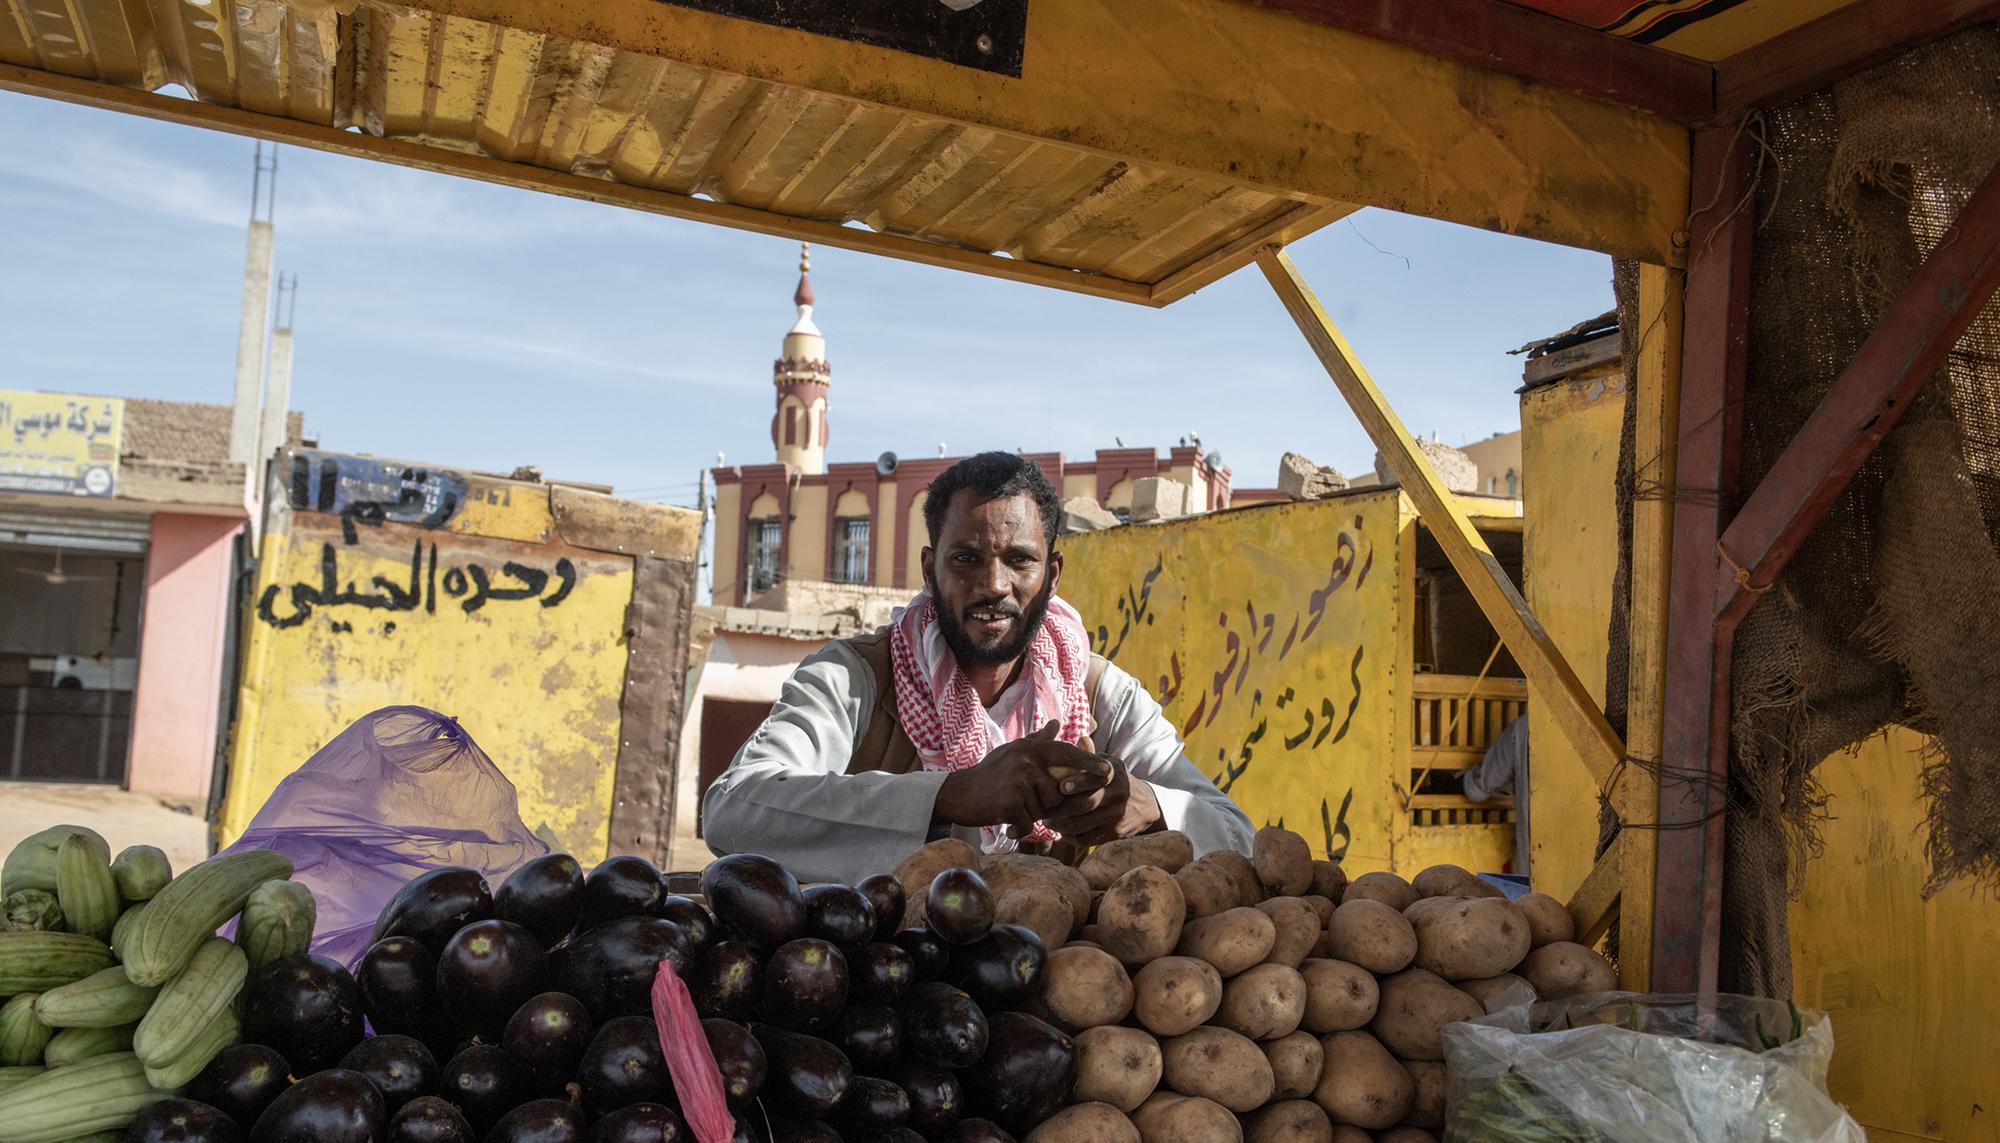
x=473 y=87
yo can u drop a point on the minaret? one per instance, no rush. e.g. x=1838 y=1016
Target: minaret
x=802 y=376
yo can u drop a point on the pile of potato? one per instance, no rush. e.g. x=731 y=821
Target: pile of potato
x=1264 y=999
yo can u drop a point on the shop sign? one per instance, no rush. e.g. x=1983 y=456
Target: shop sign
x=60 y=444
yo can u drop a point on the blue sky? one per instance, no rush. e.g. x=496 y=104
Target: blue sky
x=448 y=321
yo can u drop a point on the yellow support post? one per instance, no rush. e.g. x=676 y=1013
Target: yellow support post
x=1563 y=697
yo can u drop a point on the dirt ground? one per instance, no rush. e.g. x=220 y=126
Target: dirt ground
x=123 y=817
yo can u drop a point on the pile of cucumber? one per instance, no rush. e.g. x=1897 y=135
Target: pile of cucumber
x=117 y=990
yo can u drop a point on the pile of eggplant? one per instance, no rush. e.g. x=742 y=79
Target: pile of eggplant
x=525 y=1015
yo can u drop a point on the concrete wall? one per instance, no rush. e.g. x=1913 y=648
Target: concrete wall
x=181 y=651
x=889 y=529
x=726 y=563
x=805 y=557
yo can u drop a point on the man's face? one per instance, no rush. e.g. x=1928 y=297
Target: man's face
x=991 y=577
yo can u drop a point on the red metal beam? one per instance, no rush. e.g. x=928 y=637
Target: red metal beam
x=1899 y=358
x=1687 y=912
x=1532 y=45
x=1835 y=46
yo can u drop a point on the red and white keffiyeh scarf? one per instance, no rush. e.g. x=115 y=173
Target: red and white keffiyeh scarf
x=941 y=712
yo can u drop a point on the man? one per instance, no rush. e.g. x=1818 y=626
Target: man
x=978 y=712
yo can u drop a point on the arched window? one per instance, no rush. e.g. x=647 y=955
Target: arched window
x=1513 y=483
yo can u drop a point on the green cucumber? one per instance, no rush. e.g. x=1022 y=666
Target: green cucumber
x=190 y=1003
x=32 y=864
x=277 y=923
x=75 y=1045
x=37 y=962
x=22 y=1037
x=141 y=871
x=85 y=889
x=103 y=999
x=34 y=911
x=102 y=1094
x=175 y=1073
x=190 y=909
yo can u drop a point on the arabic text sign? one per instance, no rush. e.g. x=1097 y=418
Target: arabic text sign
x=50 y=442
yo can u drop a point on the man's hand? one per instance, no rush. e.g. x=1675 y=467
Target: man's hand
x=1124 y=807
x=1019 y=783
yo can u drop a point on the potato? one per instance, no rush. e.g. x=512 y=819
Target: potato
x=1046 y=914
x=1298 y=927
x=1289 y=1121
x=1566 y=969
x=1323 y=947
x=1548 y=920
x=1427 y=1109
x=1452 y=881
x=1362 y=1084
x=1373 y=935
x=1086 y=1123
x=1348 y=1133
x=1083 y=988
x=1092 y=934
x=1295 y=1064
x=1497 y=992
x=1208 y=887
x=1080 y=943
x=1117 y=1066
x=917 y=870
x=1469 y=938
x=1415 y=1007
x=1387 y=888
x=1170 y=850
x=1141 y=916
x=1249 y=886
x=1007 y=872
x=1170 y=1118
x=1231 y=941
x=1177 y=993
x=1264 y=1003
x=1406 y=1135
x=1340 y=997
x=1329 y=880
x=1324 y=906
x=1218 y=1064
x=1283 y=861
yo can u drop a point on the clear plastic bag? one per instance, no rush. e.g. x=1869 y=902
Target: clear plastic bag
x=1623 y=1066
x=402 y=791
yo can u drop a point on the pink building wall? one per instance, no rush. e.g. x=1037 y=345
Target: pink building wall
x=181 y=647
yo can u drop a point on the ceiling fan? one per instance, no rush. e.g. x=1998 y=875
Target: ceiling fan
x=56 y=575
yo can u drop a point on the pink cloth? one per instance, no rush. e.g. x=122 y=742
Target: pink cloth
x=941 y=712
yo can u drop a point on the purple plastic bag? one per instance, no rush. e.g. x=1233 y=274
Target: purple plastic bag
x=402 y=791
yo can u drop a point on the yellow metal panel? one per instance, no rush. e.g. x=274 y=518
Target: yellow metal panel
x=504 y=510
x=1271 y=637
x=536 y=681
x=1569 y=461
x=1909 y=982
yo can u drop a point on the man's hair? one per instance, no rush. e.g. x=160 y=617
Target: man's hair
x=994 y=476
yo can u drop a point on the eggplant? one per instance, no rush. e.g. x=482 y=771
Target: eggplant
x=1026 y=1073
x=978 y=1131
x=723 y=979
x=807 y=1131
x=621 y=886
x=881 y=1135
x=839 y=914
x=398 y=981
x=429 y=1119
x=888 y=902
x=183 y=1121
x=401 y=1068
x=808 y=1075
x=926 y=951
x=545 y=897
x=306 y=1007
x=755 y=898
x=739 y=1058
x=696 y=922
x=880 y=973
x=334 y=1106
x=872 y=1036
x=805 y=984
x=959 y=906
x=435 y=905
x=624 y=1065
x=1001 y=969
x=641 y=1123
x=241 y=1081
x=871 y=1105
x=546 y=1037
x=936 y=1101
x=539 y=1121
x=943 y=1025
x=482 y=1082
x=611 y=967
x=486 y=972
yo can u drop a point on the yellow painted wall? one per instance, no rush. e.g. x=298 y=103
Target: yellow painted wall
x=885 y=544
x=916 y=536
x=537 y=685
x=726 y=563
x=1271 y=638
x=1569 y=457
x=1120 y=495
x=852 y=503
x=1079 y=484
x=805 y=558
x=1191 y=476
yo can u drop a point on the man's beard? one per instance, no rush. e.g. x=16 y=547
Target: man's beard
x=968 y=654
